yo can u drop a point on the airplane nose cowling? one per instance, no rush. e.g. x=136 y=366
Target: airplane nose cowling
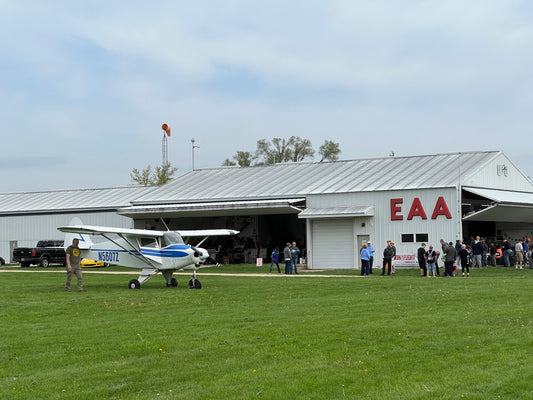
x=200 y=254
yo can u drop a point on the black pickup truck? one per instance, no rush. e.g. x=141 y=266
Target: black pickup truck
x=47 y=252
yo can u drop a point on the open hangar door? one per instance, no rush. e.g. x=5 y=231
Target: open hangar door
x=259 y=234
x=496 y=214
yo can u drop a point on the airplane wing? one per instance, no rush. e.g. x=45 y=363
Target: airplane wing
x=102 y=230
x=208 y=232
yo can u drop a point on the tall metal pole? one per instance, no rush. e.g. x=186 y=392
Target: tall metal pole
x=166 y=133
x=165 y=150
x=193 y=147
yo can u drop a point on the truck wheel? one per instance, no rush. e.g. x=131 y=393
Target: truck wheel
x=45 y=262
x=25 y=264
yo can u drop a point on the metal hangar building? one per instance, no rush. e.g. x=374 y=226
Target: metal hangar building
x=331 y=208
x=328 y=208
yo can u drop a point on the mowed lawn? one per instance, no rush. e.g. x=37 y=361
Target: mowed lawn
x=270 y=337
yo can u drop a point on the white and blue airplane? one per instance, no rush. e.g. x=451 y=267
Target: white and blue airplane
x=148 y=250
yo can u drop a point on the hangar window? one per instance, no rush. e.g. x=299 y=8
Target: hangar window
x=408 y=238
x=422 y=237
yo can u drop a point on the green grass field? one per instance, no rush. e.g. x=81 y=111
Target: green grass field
x=270 y=337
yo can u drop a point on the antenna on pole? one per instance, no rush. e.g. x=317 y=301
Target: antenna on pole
x=164 y=157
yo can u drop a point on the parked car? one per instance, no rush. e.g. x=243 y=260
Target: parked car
x=88 y=263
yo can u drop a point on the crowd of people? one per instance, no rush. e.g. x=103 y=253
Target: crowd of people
x=367 y=258
x=291 y=254
x=476 y=253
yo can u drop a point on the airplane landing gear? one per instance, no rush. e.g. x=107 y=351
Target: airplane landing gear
x=194 y=283
x=134 y=284
x=173 y=283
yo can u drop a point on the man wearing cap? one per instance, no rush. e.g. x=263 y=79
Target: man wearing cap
x=288 y=259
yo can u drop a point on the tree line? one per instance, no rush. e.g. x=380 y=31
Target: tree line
x=294 y=149
x=277 y=150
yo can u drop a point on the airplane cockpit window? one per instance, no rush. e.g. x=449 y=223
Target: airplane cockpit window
x=149 y=242
x=170 y=238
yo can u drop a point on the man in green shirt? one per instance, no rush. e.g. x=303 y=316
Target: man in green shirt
x=73 y=265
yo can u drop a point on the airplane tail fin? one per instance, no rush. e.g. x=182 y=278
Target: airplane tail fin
x=85 y=240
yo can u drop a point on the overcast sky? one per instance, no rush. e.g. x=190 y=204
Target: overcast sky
x=86 y=85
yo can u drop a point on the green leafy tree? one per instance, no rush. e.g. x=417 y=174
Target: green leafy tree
x=241 y=158
x=294 y=149
x=301 y=149
x=148 y=177
x=282 y=150
x=329 y=151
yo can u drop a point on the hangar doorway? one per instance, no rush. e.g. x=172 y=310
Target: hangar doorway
x=259 y=234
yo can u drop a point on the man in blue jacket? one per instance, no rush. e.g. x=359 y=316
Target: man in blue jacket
x=371 y=250
x=365 y=257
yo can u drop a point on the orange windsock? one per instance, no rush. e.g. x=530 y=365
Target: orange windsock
x=166 y=128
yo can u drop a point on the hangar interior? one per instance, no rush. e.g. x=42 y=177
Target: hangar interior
x=496 y=215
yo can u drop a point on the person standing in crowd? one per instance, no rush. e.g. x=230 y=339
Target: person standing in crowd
x=275 y=260
x=387 y=258
x=422 y=260
x=530 y=252
x=450 y=255
x=463 y=255
x=519 y=250
x=437 y=255
x=458 y=245
x=73 y=265
x=492 y=255
x=477 y=252
x=484 y=256
x=371 y=250
x=365 y=260
x=393 y=256
x=431 y=256
x=295 y=253
x=506 y=253
x=288 y=259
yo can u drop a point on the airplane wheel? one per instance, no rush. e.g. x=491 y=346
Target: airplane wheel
x=134 y=284
x=173 y=283
x=195 y=284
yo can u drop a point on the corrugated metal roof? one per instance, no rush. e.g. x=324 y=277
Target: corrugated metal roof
x=300 y=179
x=70 y=200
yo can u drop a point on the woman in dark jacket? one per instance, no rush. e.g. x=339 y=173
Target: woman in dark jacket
x=463 y=254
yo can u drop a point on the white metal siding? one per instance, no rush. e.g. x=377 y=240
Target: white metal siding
x=28 y=230
x=380 y=228
x=333 y=244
